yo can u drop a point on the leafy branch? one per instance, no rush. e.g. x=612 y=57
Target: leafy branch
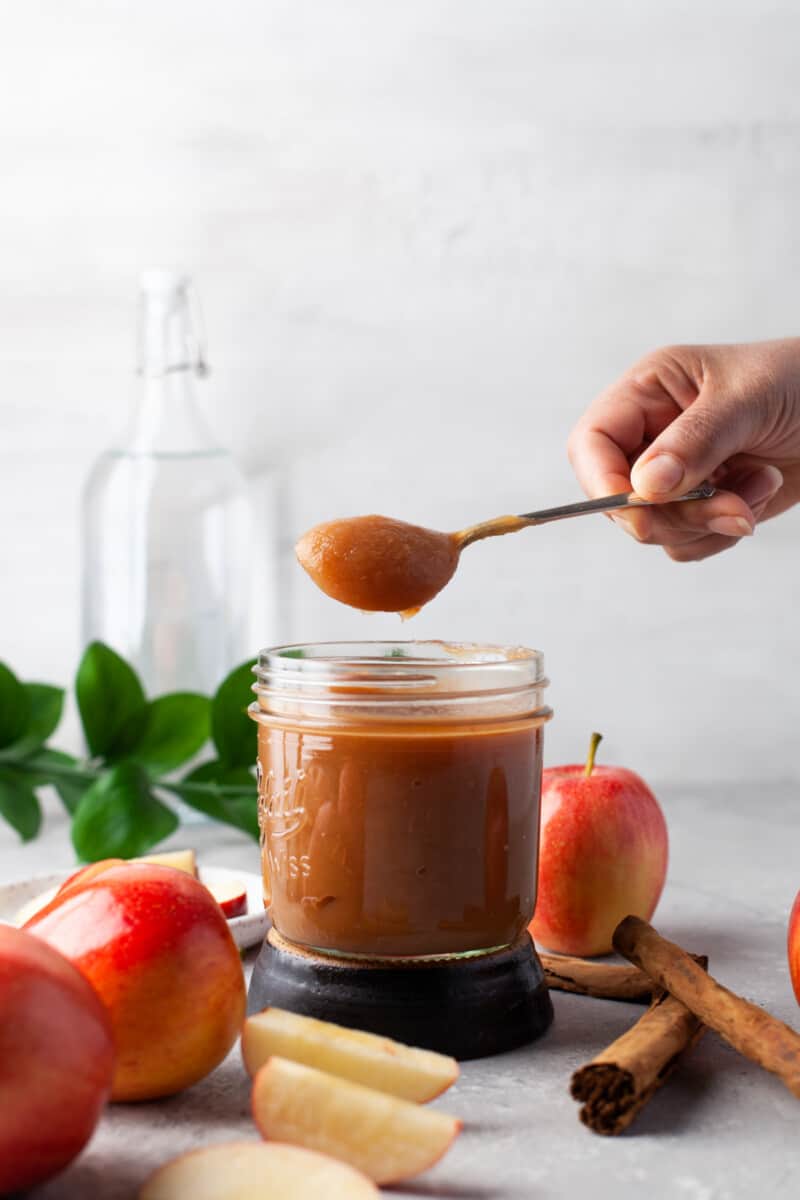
x=116 y=795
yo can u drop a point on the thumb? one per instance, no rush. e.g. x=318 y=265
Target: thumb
x=709 y=432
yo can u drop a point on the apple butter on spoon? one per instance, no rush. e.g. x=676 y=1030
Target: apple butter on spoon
x=379 y=564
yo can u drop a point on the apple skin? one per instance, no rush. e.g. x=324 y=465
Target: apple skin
x=235 y=907
x=232 y=899
x=82 y=876
x=603 y=852
x=56 y=1061
x=793 y=946
x=156 y=947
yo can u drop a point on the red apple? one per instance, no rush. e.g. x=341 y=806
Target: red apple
x=794 y=946
x=183 y=860
x=602 y=855
x=157 y=949
x=56 y=1061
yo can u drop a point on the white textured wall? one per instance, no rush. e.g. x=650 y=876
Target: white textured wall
x=425 y=235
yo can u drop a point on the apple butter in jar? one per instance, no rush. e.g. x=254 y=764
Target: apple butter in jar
x=399 y=795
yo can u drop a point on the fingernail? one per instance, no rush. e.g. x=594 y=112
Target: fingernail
x=660 y=474
x=761 y=486
x=731 y=526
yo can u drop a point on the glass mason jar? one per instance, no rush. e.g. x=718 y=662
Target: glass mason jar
x=399 y=787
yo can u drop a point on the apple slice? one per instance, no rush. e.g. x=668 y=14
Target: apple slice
x=84 y=874
x=386 y=1138
x=181 y=860
x=366 y=1058
x=255 y=1171
x=33 y=906
x=231 y=896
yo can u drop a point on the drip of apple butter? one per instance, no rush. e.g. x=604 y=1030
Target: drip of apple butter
x=379 y=564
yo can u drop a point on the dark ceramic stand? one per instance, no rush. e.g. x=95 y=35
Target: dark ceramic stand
x=470 y=1007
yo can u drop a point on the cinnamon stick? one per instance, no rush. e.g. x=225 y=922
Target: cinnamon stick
x=606 y=981
x=617 y=1084
x=748 y=1028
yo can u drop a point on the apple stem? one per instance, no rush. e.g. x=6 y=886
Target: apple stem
x=595 y=741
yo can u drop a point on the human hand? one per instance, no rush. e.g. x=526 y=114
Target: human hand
x=685 y=414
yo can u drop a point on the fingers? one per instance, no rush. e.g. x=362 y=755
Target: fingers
x=620 y=422
x=724 y=513
x=693 y=446
x=703 y=528
x=757 y=488
x=679 y=425
x=600 y=444
x=704 y=547
x=630 y=414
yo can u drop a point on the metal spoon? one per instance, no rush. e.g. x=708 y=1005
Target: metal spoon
x=378 y=564
x=501 y=525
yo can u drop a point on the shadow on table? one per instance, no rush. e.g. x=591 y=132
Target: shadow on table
x=444 y=1191
x=118 y=1181
x=481 y=1127
x=582 y=1026
x=723 y=943
x=218 y=1104
x=687 y=1099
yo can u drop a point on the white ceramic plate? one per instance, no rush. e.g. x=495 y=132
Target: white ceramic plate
x=248 y=930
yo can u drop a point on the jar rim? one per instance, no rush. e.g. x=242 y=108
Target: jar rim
x=386 y=658
x=399 y=677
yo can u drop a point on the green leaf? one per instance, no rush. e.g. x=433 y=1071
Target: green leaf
x=40 y=767
x=111 y=702
x=234 y=733
x=238 y=810
x=175 y=728
x=47 y=767
x=71 y=792
x=55 y=768
x=118 y=816
x=14 y=707
x=45 y=706
x=19 y=804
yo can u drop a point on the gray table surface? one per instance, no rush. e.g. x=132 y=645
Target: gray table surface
x=721 y=1127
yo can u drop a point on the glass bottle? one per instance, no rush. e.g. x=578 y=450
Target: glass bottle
x=167 y=525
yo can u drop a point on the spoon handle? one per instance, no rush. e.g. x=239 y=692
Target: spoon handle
x=501 y=525
x=608 y=504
